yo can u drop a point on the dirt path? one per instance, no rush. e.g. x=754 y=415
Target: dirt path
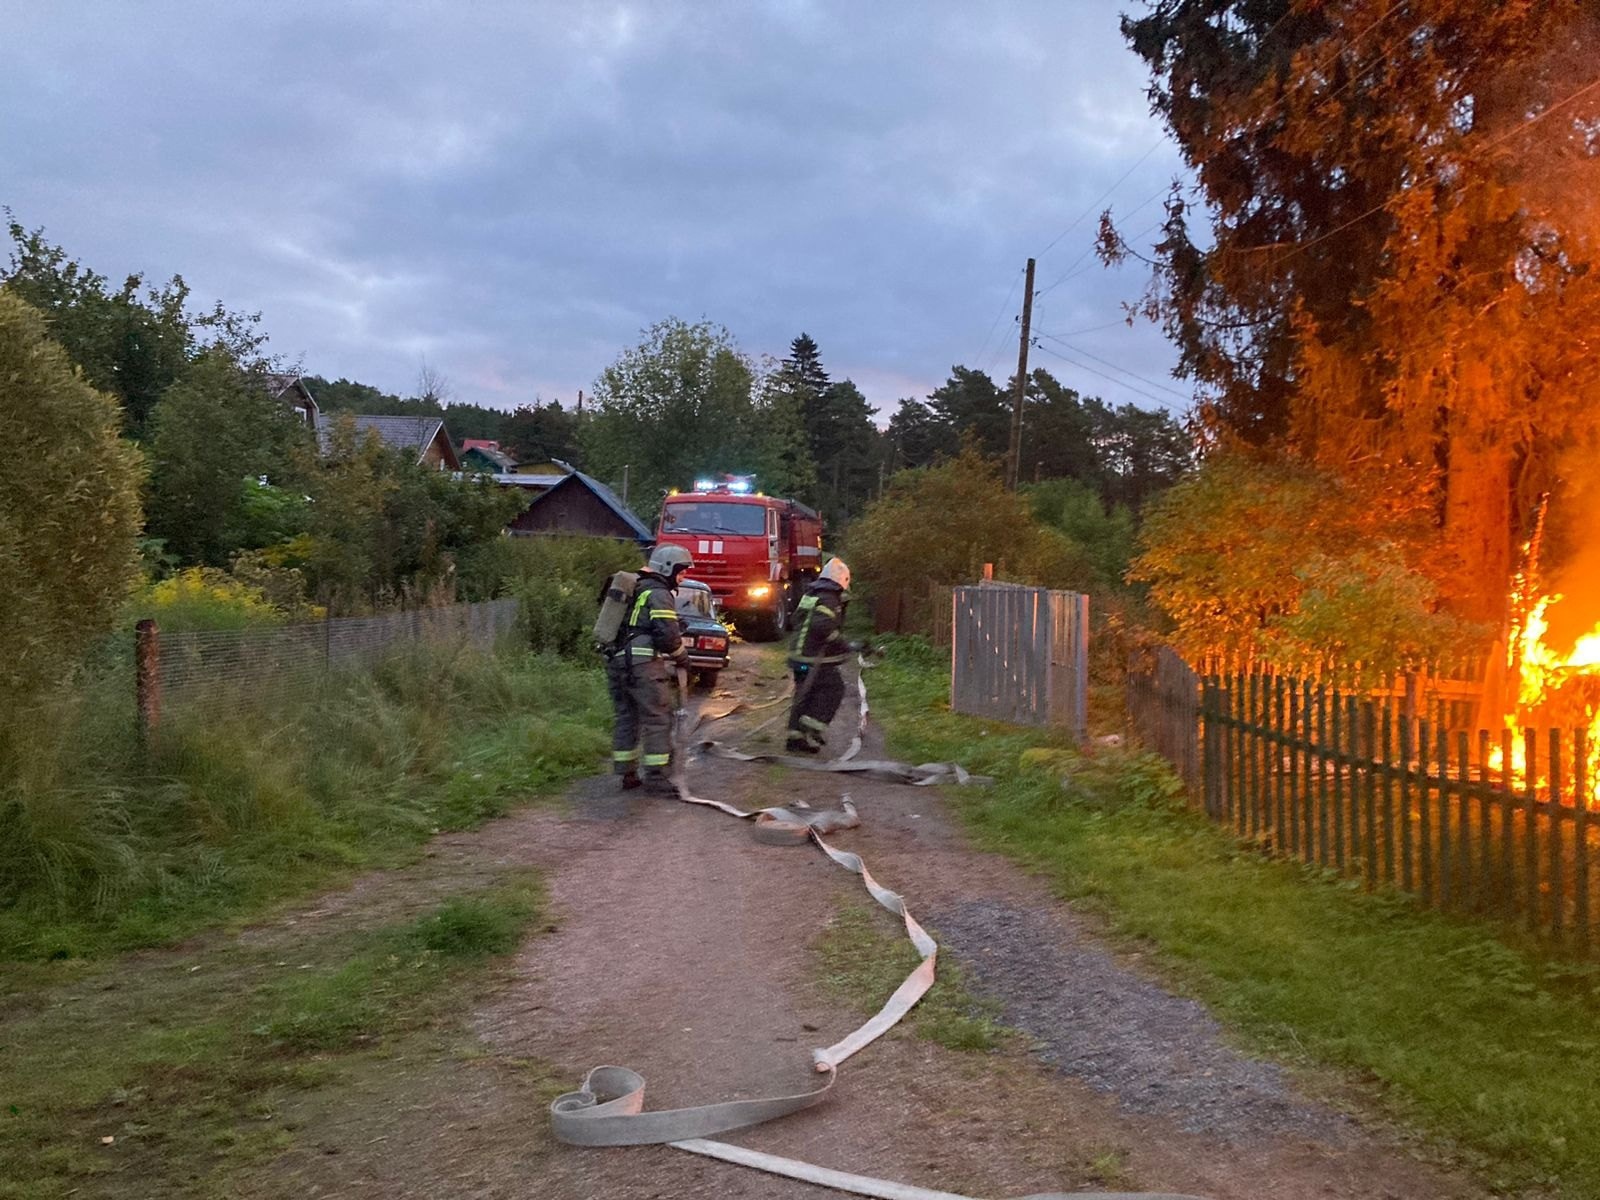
x=681 y=949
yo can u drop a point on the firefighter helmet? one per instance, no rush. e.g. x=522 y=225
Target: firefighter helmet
x=670 y=561
x=835 y=571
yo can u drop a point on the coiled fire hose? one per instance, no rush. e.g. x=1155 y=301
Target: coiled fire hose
x=608 y=1107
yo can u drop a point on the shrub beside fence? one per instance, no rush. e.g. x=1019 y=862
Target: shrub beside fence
x=928 y=613
x=1362 y=785
x=228 y=667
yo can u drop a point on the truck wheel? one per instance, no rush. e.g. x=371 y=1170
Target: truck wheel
x=769 y=626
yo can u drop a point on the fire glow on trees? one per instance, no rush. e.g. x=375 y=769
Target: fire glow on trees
x=1398 y=265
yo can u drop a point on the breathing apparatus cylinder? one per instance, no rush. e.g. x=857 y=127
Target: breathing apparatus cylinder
x=614 y=609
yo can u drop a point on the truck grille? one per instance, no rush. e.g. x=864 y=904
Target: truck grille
x=724 y=580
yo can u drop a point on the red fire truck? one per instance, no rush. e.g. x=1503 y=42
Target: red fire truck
x=757 y=553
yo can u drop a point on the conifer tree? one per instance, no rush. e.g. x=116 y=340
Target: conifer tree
x=1398 y=265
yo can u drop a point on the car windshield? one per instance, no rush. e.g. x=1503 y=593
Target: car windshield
x=707 y=516
x=692 y=602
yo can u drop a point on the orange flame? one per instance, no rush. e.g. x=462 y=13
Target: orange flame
x=1549 y=681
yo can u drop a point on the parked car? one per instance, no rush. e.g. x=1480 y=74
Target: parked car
x=705 y=636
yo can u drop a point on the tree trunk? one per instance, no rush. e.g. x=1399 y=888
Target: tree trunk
x=1477 y=526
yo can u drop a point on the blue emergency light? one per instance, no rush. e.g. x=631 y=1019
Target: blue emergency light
x=738 y=485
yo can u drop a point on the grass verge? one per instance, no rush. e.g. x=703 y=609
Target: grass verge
x=862 y=961
x=173 y=1079
x=1489 y=1046
x=243 y=801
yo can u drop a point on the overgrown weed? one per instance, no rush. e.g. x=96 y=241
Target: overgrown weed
x=107 y=845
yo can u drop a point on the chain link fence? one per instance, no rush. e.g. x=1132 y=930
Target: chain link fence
x=230 y=667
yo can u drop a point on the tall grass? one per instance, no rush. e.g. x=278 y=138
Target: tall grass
x=107 y=844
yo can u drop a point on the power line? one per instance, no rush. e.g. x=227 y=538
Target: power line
x=1078 y=220
x=1070 y=273
x=1281 y=100
x=1089 y=329
x=1119 y=382
x=1004 y=304
x=1182 y=395
x=1520 y=127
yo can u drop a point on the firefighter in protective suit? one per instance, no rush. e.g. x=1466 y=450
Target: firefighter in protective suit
x=641 y=673
x=819 y=649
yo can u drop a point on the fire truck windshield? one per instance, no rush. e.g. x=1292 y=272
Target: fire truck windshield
x=711 y=517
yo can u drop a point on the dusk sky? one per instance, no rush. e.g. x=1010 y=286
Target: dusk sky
x=513 y=191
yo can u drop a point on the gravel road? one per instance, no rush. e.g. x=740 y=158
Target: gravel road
x=680 y=947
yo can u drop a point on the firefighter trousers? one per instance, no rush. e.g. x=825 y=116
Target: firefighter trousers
x=818 y=692
x=641 y=703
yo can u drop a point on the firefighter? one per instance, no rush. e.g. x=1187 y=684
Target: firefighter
x=819 y=648
x=641 y=672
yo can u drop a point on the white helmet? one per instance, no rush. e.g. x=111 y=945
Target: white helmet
x=835 y=571
x=669 y=562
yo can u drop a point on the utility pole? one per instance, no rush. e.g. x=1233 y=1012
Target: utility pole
x=1014 y=457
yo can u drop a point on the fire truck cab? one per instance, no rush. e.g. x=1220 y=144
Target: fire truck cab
x=756 y=553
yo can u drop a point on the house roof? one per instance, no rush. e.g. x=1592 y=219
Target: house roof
x=641 y=531
x=490 y=450
x=408 y=435
x=280 y=385
x=279 y=382
x=508 y=479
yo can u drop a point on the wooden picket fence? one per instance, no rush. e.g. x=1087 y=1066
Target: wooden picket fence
x=1365 y=786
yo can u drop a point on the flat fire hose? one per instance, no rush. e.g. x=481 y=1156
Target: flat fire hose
x=608 y=1107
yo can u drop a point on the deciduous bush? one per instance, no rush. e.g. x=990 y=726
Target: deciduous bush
x=384 y=531
x=1256 y=558
x=1077 y=510
x=557 y=580
x=941 y=524
x=69 y=508
x=213 y=434
x=204 y=598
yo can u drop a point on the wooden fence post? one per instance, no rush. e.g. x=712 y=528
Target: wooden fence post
x=147 y=677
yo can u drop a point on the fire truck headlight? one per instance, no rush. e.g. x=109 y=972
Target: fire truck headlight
x=760 y=591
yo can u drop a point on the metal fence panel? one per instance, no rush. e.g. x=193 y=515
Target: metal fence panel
x=1020 y=654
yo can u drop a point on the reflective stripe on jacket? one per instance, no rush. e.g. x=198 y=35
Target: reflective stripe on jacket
x=819 y=633
x=652 y=627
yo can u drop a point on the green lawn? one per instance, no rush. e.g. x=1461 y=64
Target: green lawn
x=172 y=1076
x=1489 y=1046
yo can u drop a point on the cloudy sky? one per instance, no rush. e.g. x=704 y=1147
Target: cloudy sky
x=514 y=190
